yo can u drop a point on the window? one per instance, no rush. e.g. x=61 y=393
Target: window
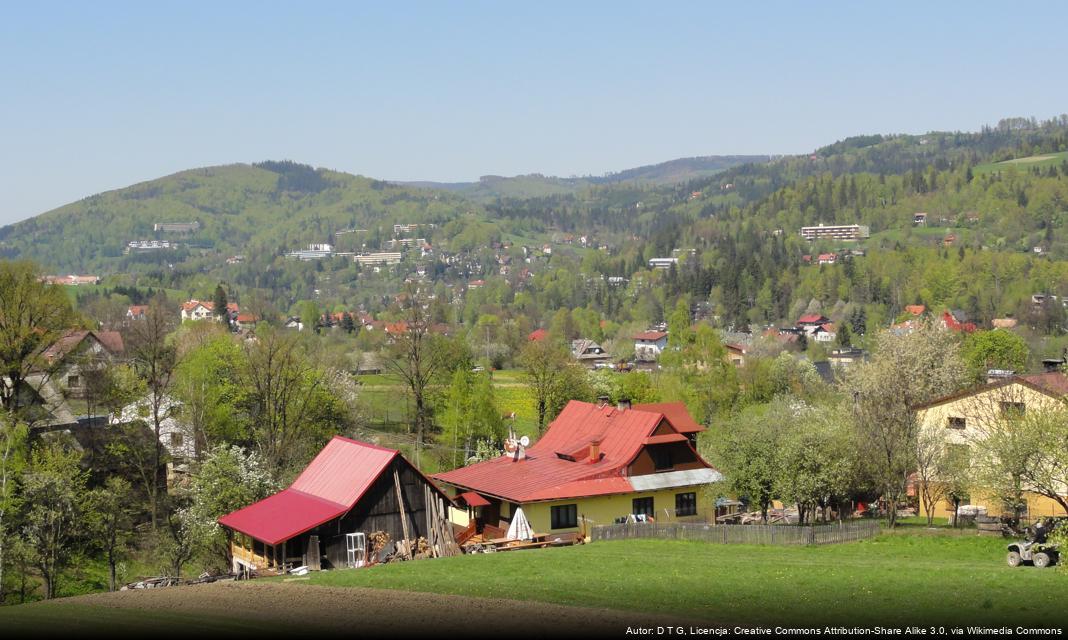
x=957 y=423
x=176 y=439
x=1012 y=409
x=661 y=457
x=73 y=381
x=564 y=516
x=641 y=506
x=686 y=504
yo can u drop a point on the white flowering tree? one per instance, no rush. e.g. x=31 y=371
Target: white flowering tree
x=228 y=479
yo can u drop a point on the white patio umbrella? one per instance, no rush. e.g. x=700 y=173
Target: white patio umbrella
x=519 y=529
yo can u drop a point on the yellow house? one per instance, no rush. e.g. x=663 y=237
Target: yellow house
x=965 y=417
x=595 y=464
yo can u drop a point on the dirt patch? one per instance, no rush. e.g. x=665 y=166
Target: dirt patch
x=343 y=609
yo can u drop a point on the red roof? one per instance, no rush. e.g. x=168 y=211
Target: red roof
x=676 y=413
x=537 y=334
x=331 y=484
x=916 y=309
x=814 y=318
x=666 y=438
x=472 y=499
x=69 y=341
x=652 y=336
x=1054 y=382
x=547 y=474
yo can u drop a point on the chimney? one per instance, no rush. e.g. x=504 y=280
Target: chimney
x=603 y=401
x=623 y=404
x=595 y=451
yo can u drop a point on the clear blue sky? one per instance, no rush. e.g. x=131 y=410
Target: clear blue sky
x=95 y=96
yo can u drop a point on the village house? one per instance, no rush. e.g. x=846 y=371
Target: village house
x=174 y=434
x=136 y=312
x=846 y=357
x=71 y=280
x=588 y=352
x=596 y=464
x=68 y=357
x=957 y=320
x=736 y=354
x=825 y=332
x=827 y=258
x=324 y=519
x=198 y=310
x=967 y=416
x=245 y=321
x=537 y=335
x=812 y=320
x=648 y=345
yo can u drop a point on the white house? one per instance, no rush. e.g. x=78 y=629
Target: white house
x=648 y=345
x=175 y=436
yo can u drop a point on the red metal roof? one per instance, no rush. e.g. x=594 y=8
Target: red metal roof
x=331 y=484
x=279 y=517
x=543 y=475
x=472 y=499
x=676 y=413
x=666 y=438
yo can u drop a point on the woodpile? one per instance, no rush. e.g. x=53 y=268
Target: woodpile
x=440 y=539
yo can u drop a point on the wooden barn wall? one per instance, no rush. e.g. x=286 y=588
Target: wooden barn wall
x=377 y=510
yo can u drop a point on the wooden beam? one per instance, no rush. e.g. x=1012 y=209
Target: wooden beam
x=403 y=515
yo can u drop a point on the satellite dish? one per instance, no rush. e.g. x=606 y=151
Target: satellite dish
x=524 y=441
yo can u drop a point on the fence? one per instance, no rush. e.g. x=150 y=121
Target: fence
x=739 y=533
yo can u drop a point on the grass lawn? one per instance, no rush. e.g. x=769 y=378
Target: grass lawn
x=894 y=579
x=1023 y=164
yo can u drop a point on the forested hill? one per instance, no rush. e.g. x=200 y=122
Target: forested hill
x=269 y=207
x=996 y=205
x=680 y=170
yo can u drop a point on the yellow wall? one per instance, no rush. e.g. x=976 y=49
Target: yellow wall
x=1037 y=506
x=979 y=410
x=605 y=509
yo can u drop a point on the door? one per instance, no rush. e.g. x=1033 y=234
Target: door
x=355 y=550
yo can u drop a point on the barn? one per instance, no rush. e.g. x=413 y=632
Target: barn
x=349 y=488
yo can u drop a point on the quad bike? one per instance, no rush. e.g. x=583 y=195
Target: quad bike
x=1036 y=549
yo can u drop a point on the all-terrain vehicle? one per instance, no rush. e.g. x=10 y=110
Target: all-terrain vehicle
x=1037 y=549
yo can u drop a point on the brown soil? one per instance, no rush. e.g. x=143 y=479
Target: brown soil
x=359 y=610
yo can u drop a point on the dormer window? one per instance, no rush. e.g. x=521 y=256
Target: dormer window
x=661 y=458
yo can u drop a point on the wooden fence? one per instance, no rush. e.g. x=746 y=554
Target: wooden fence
x=740 y=533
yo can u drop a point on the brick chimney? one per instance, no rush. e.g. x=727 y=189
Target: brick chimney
x=595 y=451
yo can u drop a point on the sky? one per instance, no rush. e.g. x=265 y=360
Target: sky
x=97 y=96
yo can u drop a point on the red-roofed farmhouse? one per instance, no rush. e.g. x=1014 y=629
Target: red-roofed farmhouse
x=596 y=463
x=350 y=487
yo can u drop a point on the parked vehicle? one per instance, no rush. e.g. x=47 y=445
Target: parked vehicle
x=1037 y=549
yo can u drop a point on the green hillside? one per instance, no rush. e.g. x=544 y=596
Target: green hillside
x=268 y=208
x=535 y=185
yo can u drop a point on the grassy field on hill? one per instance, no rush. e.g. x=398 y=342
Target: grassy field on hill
x=896 y=579
x=1042 y=160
